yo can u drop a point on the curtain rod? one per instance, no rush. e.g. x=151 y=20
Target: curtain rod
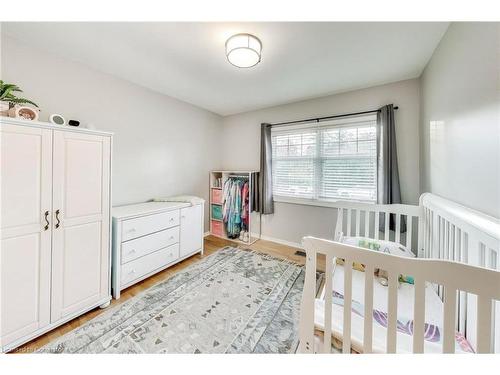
x=318 y=119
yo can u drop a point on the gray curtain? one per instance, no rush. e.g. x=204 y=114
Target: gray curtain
x=388 y=189
x=254 y=188
x=266 y=203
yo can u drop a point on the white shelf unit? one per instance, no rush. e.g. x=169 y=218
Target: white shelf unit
x=217 y=227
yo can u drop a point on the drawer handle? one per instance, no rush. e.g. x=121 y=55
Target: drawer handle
x=171 y=219
x=57 y=218
x=183 y=217
x=132 y=251
x=46 y=227
x=131 y=272
x=171 y=237
x=131 y=230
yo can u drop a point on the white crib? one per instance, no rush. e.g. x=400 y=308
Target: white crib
x=457 y=252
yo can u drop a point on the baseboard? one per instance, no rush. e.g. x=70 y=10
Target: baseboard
x=278 y=240
x=272 y=239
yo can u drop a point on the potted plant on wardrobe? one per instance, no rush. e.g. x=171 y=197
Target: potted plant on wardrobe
x=9 y=101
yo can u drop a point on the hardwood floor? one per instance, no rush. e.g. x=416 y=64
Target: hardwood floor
x=212 y=244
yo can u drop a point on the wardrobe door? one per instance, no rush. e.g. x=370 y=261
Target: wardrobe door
x=26 y=186
x=80 y=253
x=191 y=237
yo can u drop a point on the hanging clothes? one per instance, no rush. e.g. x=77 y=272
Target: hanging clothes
x=235 y=206
x=245 y=201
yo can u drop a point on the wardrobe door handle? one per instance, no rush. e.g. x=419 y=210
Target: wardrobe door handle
x=46 y=227
x=57 y=218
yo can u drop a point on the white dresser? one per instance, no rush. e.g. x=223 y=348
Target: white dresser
x=149 y=237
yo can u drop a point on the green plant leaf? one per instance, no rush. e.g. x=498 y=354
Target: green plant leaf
x=21 y=101
x=6 y=94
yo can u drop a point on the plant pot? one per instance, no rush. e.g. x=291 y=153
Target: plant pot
x=4 y=109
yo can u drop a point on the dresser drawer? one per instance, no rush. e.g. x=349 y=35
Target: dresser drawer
x=148 y=263
x=141 y=226
x=141 y=246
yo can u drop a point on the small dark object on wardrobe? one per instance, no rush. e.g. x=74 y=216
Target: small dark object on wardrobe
x=300 y=253
x=73 y=122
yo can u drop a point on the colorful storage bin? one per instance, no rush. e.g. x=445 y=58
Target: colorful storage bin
x=216 y=212
x=216 y=195
x=217 y=228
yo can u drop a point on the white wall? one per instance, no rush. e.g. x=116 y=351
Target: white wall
x=291 y=222
x=162 y=146
x=460 y=122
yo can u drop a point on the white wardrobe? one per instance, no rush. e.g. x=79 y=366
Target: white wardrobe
x=55 y=226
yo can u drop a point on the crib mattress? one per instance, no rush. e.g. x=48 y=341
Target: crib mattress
x=433 y=314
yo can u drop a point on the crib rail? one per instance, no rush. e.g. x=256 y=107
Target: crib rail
x=452 y=276
x=374 y=221
x=453 y=232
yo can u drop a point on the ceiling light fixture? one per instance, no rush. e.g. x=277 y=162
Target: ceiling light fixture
x=243 y=50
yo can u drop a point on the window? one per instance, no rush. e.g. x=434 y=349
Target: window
x=334 y=160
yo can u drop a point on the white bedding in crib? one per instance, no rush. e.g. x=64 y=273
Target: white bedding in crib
x=433 y=313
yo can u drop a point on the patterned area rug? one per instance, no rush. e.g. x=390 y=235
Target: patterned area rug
x=234 y=301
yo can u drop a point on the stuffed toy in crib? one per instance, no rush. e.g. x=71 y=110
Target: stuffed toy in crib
x=378 y=245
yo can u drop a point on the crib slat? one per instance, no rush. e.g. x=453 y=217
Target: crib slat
x=455 y=251
x=465 y=247
x=327 y=344
x=392 y=312
x=450 y=241
x=358 y=214
x=426 y=232
x=462 y=299
x=398 y=228
x=368 y=320
x=307 y=307
x=487 y=257
x=446 y=244
x=493 y=259
x=418 y=316
x=346 y=332
x=441 y=251
x=367 y=223
x=348 y=230
x=419 y=248
x=432 y=235
x=377 y=225
x=450 y=303
x=338 y=225
x=409 y=230
x=437 y=232
x=387 y=215
x=484 y=326
x=441 y=238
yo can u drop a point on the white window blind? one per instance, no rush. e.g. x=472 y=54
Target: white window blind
x=328 y=161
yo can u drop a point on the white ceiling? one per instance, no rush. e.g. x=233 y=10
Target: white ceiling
x=187 y=60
